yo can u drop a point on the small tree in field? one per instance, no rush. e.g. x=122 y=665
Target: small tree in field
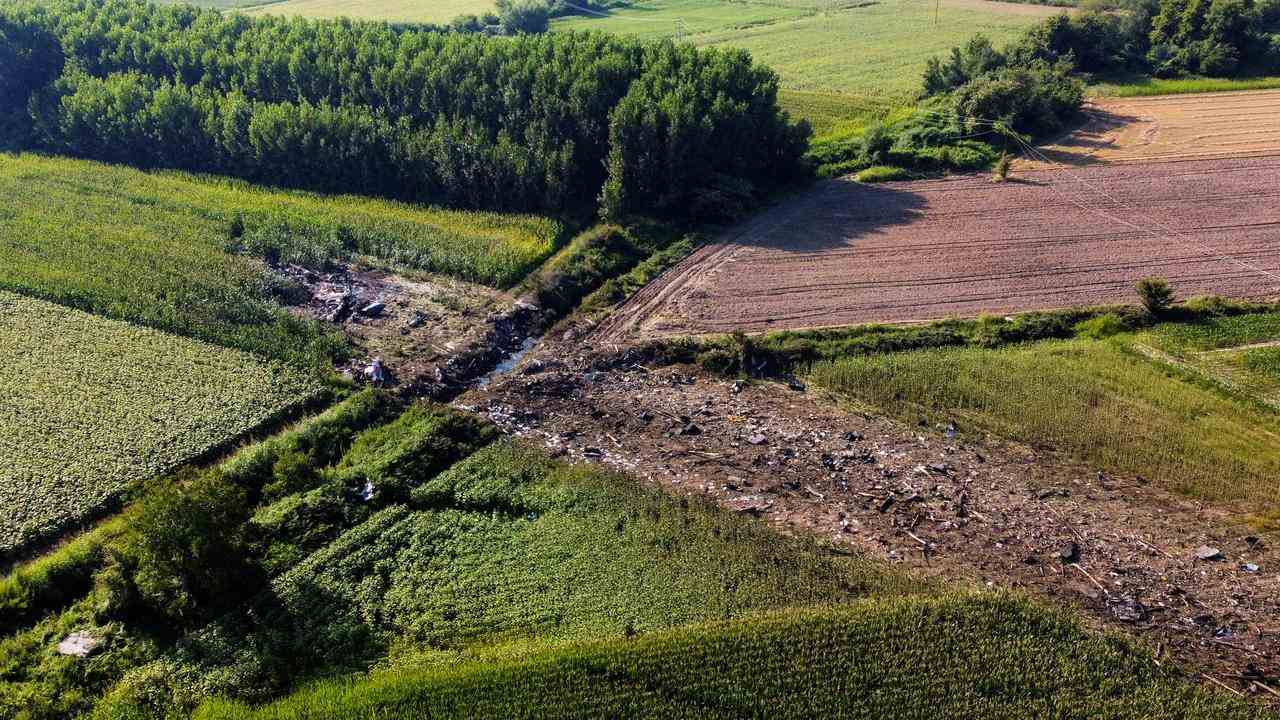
x=1155 y=294
x=1002 y=168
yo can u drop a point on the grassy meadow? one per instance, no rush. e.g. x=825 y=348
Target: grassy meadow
x=94 y=406
x=1102 y=401
x=160 y=249
x=872 y=53
x=1144 y=86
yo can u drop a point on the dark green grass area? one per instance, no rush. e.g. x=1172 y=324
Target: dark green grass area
x=984 y=656
x=506 y=546
x=1263 y=360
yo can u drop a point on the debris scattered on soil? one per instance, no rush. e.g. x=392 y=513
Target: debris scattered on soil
x=1120 y=549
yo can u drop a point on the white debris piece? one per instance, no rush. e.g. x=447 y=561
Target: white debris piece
x=79 y=644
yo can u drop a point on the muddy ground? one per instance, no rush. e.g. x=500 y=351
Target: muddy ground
x=939 y=500
x=848 y=253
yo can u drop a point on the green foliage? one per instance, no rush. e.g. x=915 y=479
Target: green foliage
x=1098 y=401
x=1263 y=360
x=524 y=16
x=1102 y=326
x=620 y=287
x=592 y=258
x=535 y=122
x=30 y=58
x=51 y=581
x=1155 y=294
x=93 y=407
x=1218 y=38
x=970 y=656
x=506 y=545
x=185 y=555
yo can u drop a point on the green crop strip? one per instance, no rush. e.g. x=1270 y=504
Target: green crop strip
x=92 y=406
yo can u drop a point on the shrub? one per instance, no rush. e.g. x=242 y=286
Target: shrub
x=1100 y=327
x=1155 y=294
x=882 y=173
x=185 y=555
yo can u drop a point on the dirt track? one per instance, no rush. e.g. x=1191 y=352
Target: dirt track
x=1172 y=127
x=847 y=253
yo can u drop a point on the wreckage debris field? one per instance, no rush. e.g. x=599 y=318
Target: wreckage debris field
x=92 y=406
x=848 y=253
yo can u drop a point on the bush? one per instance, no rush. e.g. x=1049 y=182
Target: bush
x=185 y=556
x=882 y=173
x=1155 y=294
x=524 y=16
x=1100 y=327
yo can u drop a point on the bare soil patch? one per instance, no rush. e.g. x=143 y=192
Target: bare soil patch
x=933 y=499
x=848 y=253
x=1170 y=127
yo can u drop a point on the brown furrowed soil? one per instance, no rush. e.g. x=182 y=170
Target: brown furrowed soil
x=848 y=253
x=1171 y=127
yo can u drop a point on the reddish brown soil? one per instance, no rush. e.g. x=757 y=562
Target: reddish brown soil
x=953 y=506
x=847 y=253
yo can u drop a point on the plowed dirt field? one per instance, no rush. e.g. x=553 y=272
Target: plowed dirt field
x=848 y=253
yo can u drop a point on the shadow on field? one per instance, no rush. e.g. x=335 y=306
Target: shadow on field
x=1080 y=145
x=832 y=215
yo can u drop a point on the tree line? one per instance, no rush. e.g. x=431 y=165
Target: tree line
x=551 y=123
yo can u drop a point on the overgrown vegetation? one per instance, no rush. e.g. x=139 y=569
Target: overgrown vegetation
x=1104 y=401
x=919 y=658
x=170 y=251
x=73 y=444
x=556 y=122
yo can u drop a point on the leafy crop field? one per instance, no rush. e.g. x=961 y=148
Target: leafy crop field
x=917 y=658
x=93 y=406
x=872 y=51
x=152 y=248
x=1099 y=400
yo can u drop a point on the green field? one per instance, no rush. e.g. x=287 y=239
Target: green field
x=1103 y=401
x=980 y=657
x=153 y=248
x=1144 y=86
x=94 y=406
x=875 y=52
x=423 y=11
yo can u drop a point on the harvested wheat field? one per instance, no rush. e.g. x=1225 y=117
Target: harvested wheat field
x=848 y=253
x=1171 y=127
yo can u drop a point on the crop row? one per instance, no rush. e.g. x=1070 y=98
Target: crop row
x=93 y=406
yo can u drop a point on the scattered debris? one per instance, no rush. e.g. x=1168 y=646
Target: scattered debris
x=373 y=309
x=375 y=374
x=1208 y=554
x=79 y=644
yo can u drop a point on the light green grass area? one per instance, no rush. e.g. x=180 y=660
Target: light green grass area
x=153 y=248
x=1102 y=401
x=833 y=113
x=1144 y=86
x=220 y=4
x=873 y=51
x=415 y=11
x=980 y=657
x=93 y=406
